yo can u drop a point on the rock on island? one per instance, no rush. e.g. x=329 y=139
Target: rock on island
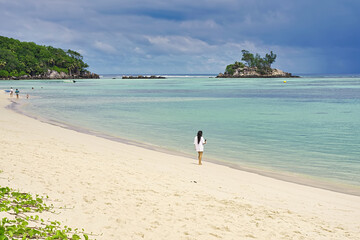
x=253 y=72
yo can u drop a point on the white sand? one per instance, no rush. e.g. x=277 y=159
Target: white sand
x=125 y=192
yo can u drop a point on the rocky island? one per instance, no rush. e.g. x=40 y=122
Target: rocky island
x=254 y=67
x=27 y=60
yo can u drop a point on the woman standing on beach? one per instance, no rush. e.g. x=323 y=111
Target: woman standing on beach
x=199 y=143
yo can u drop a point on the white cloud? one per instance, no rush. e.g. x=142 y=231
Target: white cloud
x=104 y=47
x=138 y=50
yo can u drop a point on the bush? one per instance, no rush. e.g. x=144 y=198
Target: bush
x=22 y=73
x=14 y=73
x=229 y=69
x=25 y=222
x=4 y=73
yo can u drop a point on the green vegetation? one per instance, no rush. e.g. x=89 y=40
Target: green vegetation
x=231 y=67
x=27 y=58
x=262 y=65
x=24 y=223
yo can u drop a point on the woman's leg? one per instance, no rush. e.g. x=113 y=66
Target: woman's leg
x=200 y=157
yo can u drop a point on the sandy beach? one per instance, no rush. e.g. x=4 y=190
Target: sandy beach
x=120 y=191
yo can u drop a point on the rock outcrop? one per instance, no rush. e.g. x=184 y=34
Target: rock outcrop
x=253 y=72
x=143 y=77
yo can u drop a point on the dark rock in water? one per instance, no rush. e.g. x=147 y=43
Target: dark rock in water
x=143 y=77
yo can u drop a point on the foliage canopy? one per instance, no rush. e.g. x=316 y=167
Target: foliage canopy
x=27 y=58
x=262 y=65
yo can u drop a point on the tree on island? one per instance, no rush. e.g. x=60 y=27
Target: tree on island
x=261 y=65
x=27 y=58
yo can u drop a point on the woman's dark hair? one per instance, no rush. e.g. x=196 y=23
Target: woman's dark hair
x=199 y=135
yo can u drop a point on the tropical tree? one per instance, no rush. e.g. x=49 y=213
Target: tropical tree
x=261 y=65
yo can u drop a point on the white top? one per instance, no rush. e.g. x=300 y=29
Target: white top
x=199 y=146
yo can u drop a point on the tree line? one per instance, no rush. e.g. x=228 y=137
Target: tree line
x=261 y=65
x=27 y=58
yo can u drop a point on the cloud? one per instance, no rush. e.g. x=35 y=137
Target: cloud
x=196 y=36
x=107 y=48
x=178 y=45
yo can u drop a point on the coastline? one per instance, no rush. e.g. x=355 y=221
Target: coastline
x=119 y=189
x=283 y=176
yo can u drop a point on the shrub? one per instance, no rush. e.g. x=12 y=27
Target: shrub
x=4 y=73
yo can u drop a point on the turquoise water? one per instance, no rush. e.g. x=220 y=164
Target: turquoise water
x=307 y=126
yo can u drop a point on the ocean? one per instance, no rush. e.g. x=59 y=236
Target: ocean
x=305 y=130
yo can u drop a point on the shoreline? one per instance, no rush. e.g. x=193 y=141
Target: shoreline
x=290 y=177
x=114 y=189
x=53 y=75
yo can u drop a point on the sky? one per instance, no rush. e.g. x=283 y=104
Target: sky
x=194 y=37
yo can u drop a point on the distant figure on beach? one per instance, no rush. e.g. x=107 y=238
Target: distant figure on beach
x=27 y=96
x=17 y=93
x=11 y=92
x=199 y=142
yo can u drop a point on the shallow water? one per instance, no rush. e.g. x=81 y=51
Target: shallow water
x=306 y=126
